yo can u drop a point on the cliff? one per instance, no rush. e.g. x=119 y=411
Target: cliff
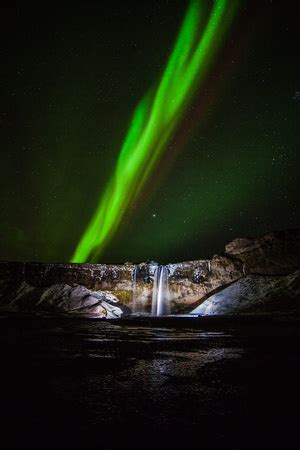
x=108 y=290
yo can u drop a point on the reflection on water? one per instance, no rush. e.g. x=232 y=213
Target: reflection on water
x=93 y=375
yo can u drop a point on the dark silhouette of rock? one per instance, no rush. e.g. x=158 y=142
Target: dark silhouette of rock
x=276 y=253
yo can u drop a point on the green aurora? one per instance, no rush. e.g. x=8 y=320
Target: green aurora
x=71 y=80
x=154 y=122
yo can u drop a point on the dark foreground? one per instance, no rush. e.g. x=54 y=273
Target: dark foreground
x=79 y=383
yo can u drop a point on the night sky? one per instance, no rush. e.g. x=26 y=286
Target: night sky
x=70 y=82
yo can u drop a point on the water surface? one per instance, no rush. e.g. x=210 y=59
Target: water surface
x=92 y=381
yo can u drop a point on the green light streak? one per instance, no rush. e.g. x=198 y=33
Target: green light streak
x=155 y=121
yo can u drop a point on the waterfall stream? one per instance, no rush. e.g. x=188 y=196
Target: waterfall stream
x=161 y=293
x=134 y=291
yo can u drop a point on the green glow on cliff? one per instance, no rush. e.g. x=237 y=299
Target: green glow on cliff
x=155 y=121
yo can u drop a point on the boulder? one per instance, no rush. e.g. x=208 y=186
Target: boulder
x=63 y=298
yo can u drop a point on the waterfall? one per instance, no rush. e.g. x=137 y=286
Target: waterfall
x=134 y=289
x=161 y=294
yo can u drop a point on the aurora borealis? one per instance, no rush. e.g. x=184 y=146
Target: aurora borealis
x=154 y=122
x=176 y=180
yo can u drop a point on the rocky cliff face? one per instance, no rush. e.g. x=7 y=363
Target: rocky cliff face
x=108 y=290
x=276 y=253
x=255 y=294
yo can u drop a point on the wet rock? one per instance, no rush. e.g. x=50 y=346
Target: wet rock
x=142 y=272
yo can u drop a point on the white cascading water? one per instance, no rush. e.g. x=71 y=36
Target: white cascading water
x=161 y=294
x=134 y=290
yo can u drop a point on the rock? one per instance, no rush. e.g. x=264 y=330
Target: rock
x=276 y=253
x=62 y=298
x=193 y=281
x=142 y=272
x=190 y=282
x=255 y=294
x=226 y=269
x=46 y=274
